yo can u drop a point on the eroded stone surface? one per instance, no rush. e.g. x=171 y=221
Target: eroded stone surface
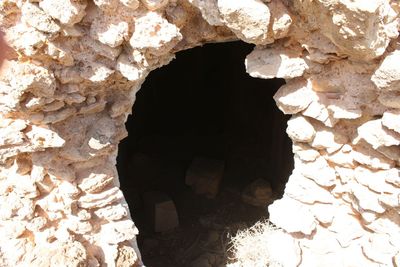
x=68 y=88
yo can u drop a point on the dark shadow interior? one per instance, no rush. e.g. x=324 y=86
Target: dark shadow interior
x=203 y=104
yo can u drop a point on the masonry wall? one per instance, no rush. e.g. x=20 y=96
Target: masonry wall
x=70 y=82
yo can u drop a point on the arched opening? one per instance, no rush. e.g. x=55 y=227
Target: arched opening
x=201 y=116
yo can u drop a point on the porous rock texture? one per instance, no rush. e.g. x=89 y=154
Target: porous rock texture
x=70 y=82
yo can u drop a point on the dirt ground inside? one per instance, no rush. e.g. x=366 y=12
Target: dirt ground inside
x=203 y=237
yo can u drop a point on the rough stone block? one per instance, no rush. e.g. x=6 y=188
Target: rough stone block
x=205 y=175
x=258 y=193
x=160 y=211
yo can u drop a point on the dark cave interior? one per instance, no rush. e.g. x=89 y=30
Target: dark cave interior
x=202 y=105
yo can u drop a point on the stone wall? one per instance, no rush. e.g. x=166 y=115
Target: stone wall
x=70 y=83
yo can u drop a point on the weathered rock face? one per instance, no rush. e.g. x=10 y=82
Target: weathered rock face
x=70 y=82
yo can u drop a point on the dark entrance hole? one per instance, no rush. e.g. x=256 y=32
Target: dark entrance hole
x=202 y=107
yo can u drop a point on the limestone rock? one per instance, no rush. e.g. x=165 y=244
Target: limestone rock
x=100 y=200
x=281 y=19
x=346 y=23
x=318 y=170
x=391 y=120
x=365 y=199
x=94 y=179
x=366 y=155
x=278 y=243
x=130 y=70
x=160 y=211
x=37 y=18
x=132 y=4
x=379 y=249
x=376 y=135
x=109 y=30
x=389 y=99
x=275 y=63
x=291 y=216
x=209 y=11
x=377 y=180
x=154 y=4
x=112 y=213
x=305 y=152
x=126 y=257
x=117 y=232
x=387 y=76
x=327 y=138
x=204 y=176
x=70 y=79
x=318 y=109
x=249 y=20
x=66 y=11
x=59 y=254
x=294 y=96
x=346 y=229
x=166 y=38
x=258 y=193
x=43 y=137
x=298 y=188
x=300 y=129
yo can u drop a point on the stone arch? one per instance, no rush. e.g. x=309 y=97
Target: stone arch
x=71 y=78
x=203 y=107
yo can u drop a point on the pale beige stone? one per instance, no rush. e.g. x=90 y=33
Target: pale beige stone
x=294 y=96
x=258 y=193
x=292 y=216
x=318 y=171
x=249 y=20
x=298 y=188
x=112 y=213
x=27 y=41
x=377 y=180
x=324 y=213
x=130 y=70
x=66 y=11
x=328 y=139
x=391 y=120
x=71 y=78
x=132 y=4
x=322 y=243
x=281 y=19
x=37 y=18
x=365 y=199
x=366 y=155
x=341 y=158
x=275 y=63
x=345 y=226
x=318 y=109
x=390 y=99
x=283 y=249
x=117 y=232
x=154 y=4
x=167 y=36
x=300 y=129
x=94 y=179
x=209 y=11
x=379 y=249
x=100 y=200
x=346 y=23
x=204 y=176
x=376 y=135
x=109 y=30
x=305 y=152
x=387 y=76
